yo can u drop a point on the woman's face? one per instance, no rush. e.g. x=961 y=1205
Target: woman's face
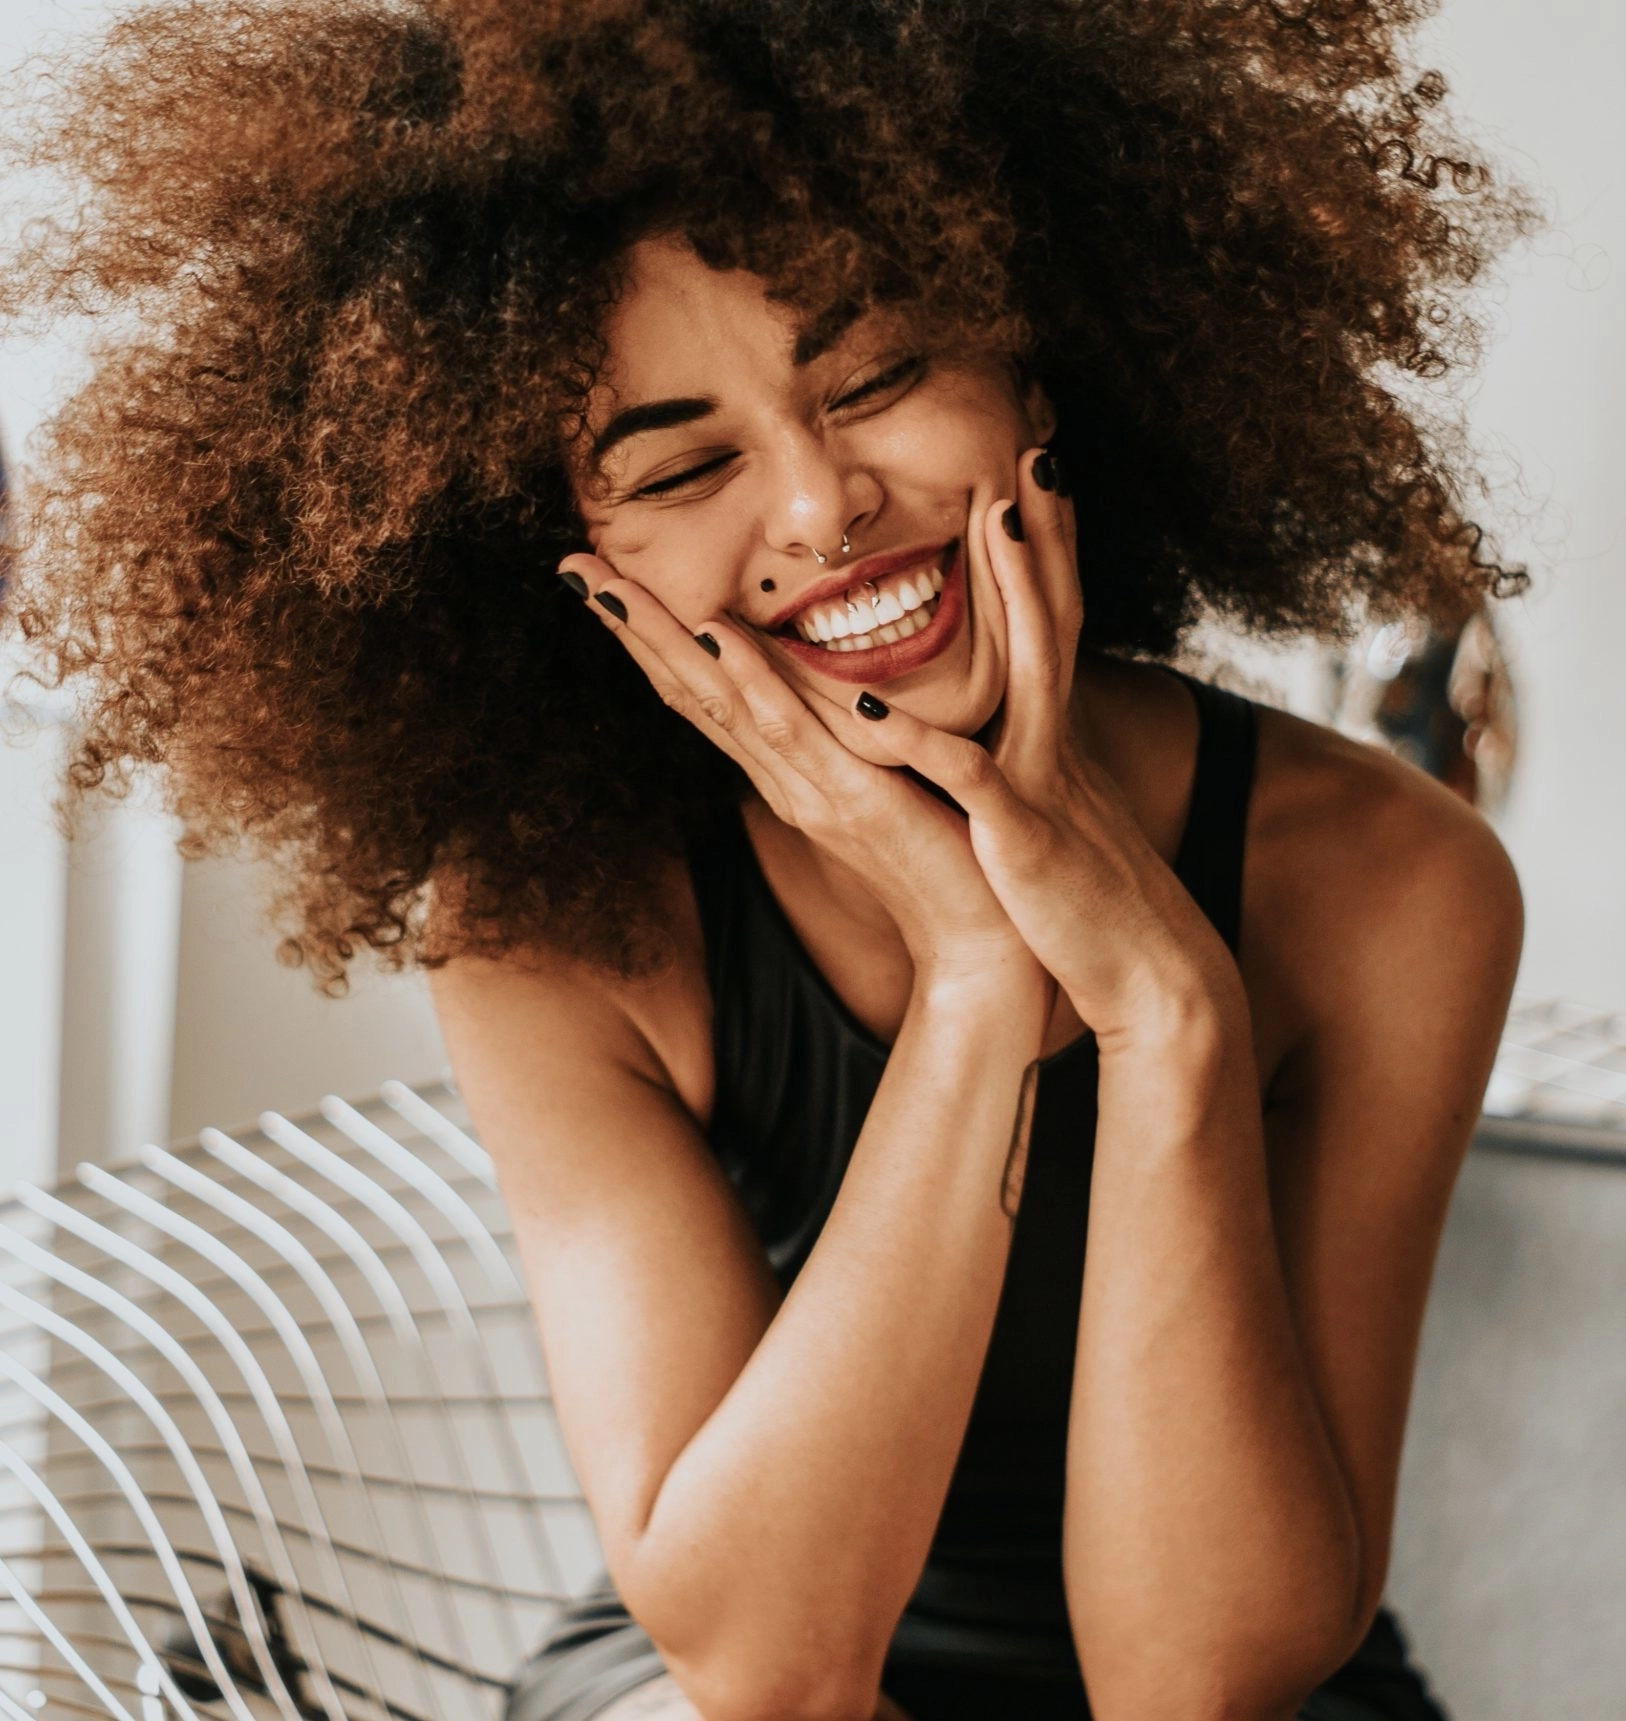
x=738 y=462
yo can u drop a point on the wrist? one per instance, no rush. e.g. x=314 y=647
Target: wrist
x=1195 y=1022
x=1008 y=984
x=1187 y=1062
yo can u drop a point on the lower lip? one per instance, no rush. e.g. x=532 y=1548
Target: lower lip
x=887 y=662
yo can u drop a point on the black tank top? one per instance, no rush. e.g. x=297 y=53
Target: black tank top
x=795 y=1075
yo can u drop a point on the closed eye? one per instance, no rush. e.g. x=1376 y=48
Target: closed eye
x=905 y=370
x=676 y=480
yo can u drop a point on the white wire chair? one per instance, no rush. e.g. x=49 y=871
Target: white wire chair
x=275 y=1433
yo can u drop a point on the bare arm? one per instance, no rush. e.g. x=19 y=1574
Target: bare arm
x=1256 y=1281
x=802 y=1509
x=766 y=1478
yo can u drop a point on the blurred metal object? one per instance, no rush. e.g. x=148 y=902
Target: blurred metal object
x=1559 y=1085
x=275 y=1431
x=1442 y=699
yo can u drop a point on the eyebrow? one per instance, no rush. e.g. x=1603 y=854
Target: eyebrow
x=811 y=344
x=651 y=415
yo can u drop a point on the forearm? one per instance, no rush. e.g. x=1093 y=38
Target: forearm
x=796 y=1520
x=1211 y=1545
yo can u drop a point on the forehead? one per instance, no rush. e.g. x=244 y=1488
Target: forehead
x=679 y=326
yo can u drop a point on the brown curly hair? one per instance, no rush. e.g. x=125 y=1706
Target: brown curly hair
x=295 y=538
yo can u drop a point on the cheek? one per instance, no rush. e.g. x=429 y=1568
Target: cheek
x=691 y=593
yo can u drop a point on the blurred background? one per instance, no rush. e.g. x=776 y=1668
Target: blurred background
x=142 y=999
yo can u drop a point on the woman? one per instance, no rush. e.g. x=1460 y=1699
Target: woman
x=836 y=911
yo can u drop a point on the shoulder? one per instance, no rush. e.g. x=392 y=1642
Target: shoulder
x=1375 y=899
x=543 y=1002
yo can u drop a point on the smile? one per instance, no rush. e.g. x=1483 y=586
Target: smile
x=881 y=629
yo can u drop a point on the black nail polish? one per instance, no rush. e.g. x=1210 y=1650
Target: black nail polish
x=609 y=601
x=574 y=580
x=1044 y=470
x=1011 y=520
x=707 y=643
x=873 y=708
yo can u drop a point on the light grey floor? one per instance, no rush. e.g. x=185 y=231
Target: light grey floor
x=1510 y=1558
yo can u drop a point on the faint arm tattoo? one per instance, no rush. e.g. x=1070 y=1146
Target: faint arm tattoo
x=1016 y=1161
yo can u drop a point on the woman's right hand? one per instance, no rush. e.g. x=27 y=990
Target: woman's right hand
x=913 y=852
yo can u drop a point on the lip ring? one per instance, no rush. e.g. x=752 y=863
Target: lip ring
x=882 y=663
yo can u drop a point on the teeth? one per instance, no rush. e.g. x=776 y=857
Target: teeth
x=870 y=611
x=915 y=621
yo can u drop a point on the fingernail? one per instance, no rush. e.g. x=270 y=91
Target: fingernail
x=871 y=707
x=1044 y=470
x=707 y=643
x=609 y=601
x=574 y=580
x=1011 y=520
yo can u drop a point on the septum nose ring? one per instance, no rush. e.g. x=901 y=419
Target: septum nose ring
x=821 y=559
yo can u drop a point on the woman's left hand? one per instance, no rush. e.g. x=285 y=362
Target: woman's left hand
x=1091 y=897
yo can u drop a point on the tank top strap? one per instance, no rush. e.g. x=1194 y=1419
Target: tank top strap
x=1209 y=860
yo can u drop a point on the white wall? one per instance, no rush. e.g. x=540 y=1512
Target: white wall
x=33 y=877
x=250 y=1034
x=1542 y=80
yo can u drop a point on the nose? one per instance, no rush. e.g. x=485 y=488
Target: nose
x=814 y=495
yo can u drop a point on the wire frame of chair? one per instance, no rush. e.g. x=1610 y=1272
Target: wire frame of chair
x=275 y=1431
x=1559 y=1086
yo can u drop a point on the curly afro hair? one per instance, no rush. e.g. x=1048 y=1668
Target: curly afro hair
x=294 y=539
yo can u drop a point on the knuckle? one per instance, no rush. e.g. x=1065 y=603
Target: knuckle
x=718 y=709
x=979 y=770
x=855 y=819
x=778 y=734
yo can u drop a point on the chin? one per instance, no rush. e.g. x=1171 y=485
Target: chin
x=970 y=724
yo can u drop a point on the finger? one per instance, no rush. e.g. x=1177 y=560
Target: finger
x=706 y=707
x=732 y=694
x=1056 y=533
x=1031 y=726
x=965 y=770
x=1048 y=517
